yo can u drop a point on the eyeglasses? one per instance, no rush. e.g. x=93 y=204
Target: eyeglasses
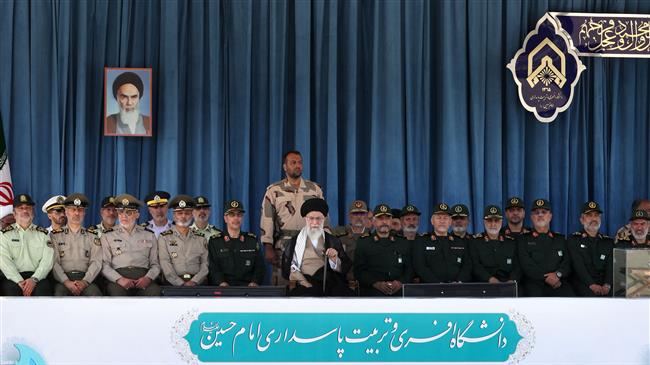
x=315 y=219
x=128 y=212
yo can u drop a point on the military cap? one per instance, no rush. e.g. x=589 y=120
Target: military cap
x=591 y=206
x=441 y=208
x=396 y=212
x=108 y=201
x=358 y=206
x=541 y=204
x=640 y=214
x=76 y=200
x=382 y=209
x=55 y=202
x=127 y=201
x=157 y=198
x=410 y=209
x=201 y=202
x=459 y=210
x=181 y=202
x=233 y=206
x=23 y=199
x=515 y=202
x=128 y=78
x=314 y=205
x=492 y=211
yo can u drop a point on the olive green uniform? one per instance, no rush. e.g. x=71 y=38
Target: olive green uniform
x=494 y=258
x=381 y=259
x=441 y=259
x=237 y=261
x=592 y=260
x=542 y=253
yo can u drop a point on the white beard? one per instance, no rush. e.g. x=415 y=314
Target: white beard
x=184 y=224
x=315 y=234
x=458 y=230
x=492 y=231
x=130 y=118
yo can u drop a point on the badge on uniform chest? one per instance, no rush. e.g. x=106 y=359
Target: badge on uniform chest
x=399 y=259
x=61 y=243
x=61 y=254
x=560 y=253
x=509 y=261
x=173 y=244
x=247 y=263
x=174 y=255
x=582 y=245
x=118 y=251
x=602 y=257
x=87 y=253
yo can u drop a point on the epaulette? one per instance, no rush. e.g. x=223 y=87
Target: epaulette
x=108 y=230
x=148 y=230
x=478 y=235
x=144 y=224
x=42 y=230
x=252 y=235
x=197 y=233
x=56 y=231
x=577 y=234
x=339 y=231
x=509 y=237
x=168 y=232
x=218 y=234
x=7 y=229
x=92 y=230
x=365 y=234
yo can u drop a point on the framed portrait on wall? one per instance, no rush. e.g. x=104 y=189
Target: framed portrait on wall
x=127 y=102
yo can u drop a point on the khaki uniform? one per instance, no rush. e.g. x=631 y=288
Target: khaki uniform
x=100 y=229
x=349 y=241
x=281 y=219
x=155 y=229
x=183 y=257
x=77 y=256
x=207 y=232
x=123 y=251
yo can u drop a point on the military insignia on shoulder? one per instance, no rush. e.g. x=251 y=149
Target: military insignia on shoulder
x=42 y=230
x=108 y=230
x=365 y=234
x=252 y=235
x=166 y=233
x=478 y=235
x=97 y=241
x=92 y=230
x=7 y=228
x=451 y=237
x=577 y=234
x=50 y=244
x=148 y=230
x=144 y=224
x=56 y=231
x=200 y=234
x=509 y=237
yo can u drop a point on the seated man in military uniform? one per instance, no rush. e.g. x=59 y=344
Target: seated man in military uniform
x=183 y=252
x=109 y=215
x=494 y=256
x=314 y=259
x=639 y=236
x=543 y=255
x=235 y=257
x=26 y=254
x=130 y=253
x=201 y=214
x=350 y=233
x=591 y=255
x=77 y=252
x=460 y=222
x=439 y=257
x=382 y=262
x=515 y=215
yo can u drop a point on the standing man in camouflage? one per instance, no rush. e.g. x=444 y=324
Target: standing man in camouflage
x=544 y=257
x=77 y=252
x=515 y=214
x=183 y=252
x=280 y=219
x=109 y=215
x=201 y=214
x=26 y=255
x=235 y=257
x=130 y=253
x=591 y=255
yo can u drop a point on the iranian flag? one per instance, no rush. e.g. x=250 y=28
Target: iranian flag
x=6 y=189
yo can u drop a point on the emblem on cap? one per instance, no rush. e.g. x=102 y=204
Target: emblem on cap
x=156 y=198
x=358 y=204
x=458 y=209
x=59 y=200
x=592 y=205
x=383 y=209
x=514 y=201
x=409 y=208
x=200 y=200
x=182 y=204
x=125 y=201
x=77 y=202
x=23 y=198
x=443 y=206
x=234 y=204
x=493 y=210
x=539 y=203
x=111 y=200
x=639 y=213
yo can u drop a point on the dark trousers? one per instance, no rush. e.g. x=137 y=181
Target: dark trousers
x=583 y=290
x=538 y=288
x=11 y=289
x=91 y=291
x=369 y=291
x=114 y=289
x=335 y=286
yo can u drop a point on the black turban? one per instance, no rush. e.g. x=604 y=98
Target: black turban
x=314 y=205
x=128 y=78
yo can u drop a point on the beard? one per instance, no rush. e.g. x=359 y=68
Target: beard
x=640 y=235
x=410 y=229
x=492 y=231
x=184 y=224
x=130 y=117
x=315 y=233
x=458 y=229
x=592 y=227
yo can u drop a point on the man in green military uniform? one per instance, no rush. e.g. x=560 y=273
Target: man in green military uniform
x=183 y=252
x=494 y=255
x=26 y=254
x=235 y=257
x=543 y=255
x=460 y=222
x=625 y=233
x=280 y=219
x=109 y=215
x=410 y=218
x=591 y=255
x=382 y=261
x=439 y=257
x=350 y=233
x=130 y=253
x=515 y=214
x=639 y=236
x=201 y=215
x=77 y=252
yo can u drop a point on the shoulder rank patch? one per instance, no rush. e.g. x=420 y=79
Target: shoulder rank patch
x=42 y=230
x=196 y=233
x=109 y=230
x=577 y=234
x=56 y=231
x=97 y=241
x=50 y=244
x=148 y=230
x=478 y=235
x=166 y=233
x=144 y=224
x=7 y=228
x=365 y=234
x=252 y=235
x=92 y=230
